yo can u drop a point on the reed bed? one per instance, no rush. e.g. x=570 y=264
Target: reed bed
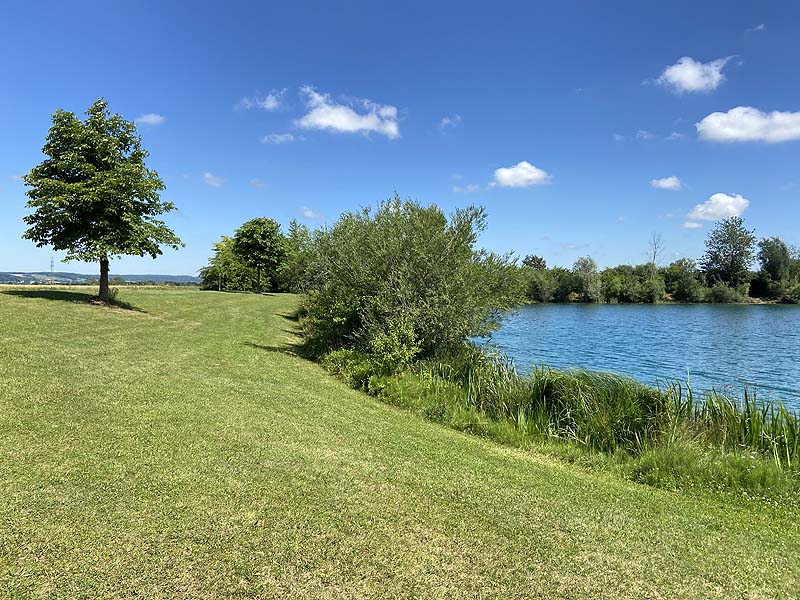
x=609 y=413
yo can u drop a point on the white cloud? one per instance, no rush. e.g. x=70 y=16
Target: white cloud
x=719 y=206
x=672 y=183
x=327 y=115
x=674 y=136
x=311 y=214
x=279 y=138
x=151 y=119
x=268 y=102
x=760 y=27
x=212 y=180
x=521 y=175
x=449 y=121
x=466 y=189
x=689 y=75
x=692 y=225
x=643 y=134
x=619 y=137
x=257 y=183
x=748 y=124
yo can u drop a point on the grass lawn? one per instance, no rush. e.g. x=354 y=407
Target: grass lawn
x=178 y=450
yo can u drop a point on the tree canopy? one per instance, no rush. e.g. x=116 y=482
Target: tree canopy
x=260 y=243
x=730 y=249
x=93 y=196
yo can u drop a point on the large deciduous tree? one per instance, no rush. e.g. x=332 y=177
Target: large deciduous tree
x=93 y=196
x=730 y=249
x=261 y=244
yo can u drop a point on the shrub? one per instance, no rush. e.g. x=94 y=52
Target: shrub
x=722 y=294
x=407 y=266
x=395 y=349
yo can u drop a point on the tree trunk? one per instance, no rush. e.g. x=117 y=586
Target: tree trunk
x=104 y=292
x=258 y=280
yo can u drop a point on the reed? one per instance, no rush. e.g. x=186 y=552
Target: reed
x=610 y=413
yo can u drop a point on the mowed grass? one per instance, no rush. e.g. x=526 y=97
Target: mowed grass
x=181 y=450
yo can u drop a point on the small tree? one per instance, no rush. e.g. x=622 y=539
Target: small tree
x=775 y=258
x=654 y=251
x=683 y=282
x=93 y=196
x=226 y=270
x=260 y=243
x=587 y=279
x=729 y=252
x=292 y=274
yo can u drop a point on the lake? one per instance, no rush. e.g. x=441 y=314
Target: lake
x=720 y=346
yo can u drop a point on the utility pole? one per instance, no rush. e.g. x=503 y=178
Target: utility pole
x=52 y=276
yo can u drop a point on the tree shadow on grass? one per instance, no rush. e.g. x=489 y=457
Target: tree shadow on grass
x=298 y=348
x=72 y=297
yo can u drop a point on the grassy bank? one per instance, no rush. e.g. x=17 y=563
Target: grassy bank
x=180 y=449
x=667 y=437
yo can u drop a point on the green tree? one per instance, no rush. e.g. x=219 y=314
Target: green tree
x=537 y=263
x=541 y=285
x=93 y=196
x=775 y=258
x=682 y=281
x=564 y=284
x=730 y=249
x=260 y=243
x=292 y=274
x=226 y=270
x=587 y=280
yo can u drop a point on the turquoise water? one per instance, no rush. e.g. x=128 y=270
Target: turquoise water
x=719 y=346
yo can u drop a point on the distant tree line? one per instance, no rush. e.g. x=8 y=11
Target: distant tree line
x=259 y=253
x=721 y=275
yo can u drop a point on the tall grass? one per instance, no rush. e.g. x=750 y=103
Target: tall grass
x=610 y=413
x=765 y=427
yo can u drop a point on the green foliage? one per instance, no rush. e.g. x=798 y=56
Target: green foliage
x=720 y=293
x=774 y=258
x=779 y=271
x=632 y=284
x=587 y=284
x=541 y=285
x=688 y=464
x=227 y=268
x=406 y=266
x=563 y=284
x=682 y=281
x=93 y=196
x=260 y=244
x=537 y=263
x=730 y=249
x=293 y=273
x=353 y=366
x=394 y=350
x=662 y=437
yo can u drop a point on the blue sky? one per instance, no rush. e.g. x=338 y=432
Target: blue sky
x=558 y=117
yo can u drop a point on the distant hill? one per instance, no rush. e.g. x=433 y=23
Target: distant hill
x=22 y=277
